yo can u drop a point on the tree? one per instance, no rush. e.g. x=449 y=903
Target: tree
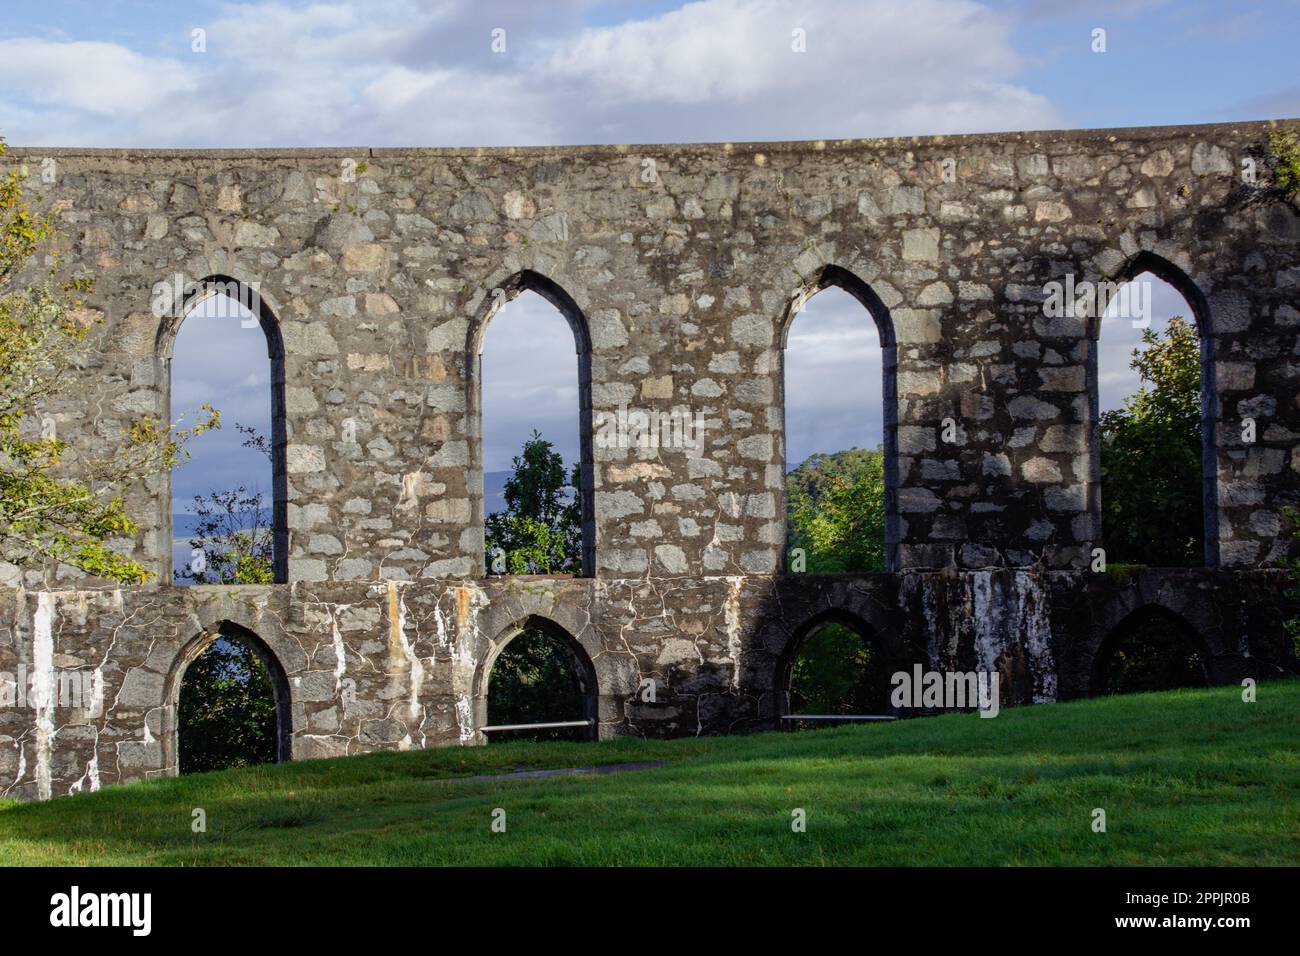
x=833 y=674
x=540 y=532
x=227 y=709
x=1151 y=457
x=836 y=511
x=46 y=514
x=232 y=539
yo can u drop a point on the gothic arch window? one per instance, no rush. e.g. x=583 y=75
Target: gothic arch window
x=839 y=399
x=523 y=388
x=540 y=676
x=227 y=506
x=1152 y=396
x=229 y=697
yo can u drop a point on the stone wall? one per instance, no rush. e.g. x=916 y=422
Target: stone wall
x=680 y=269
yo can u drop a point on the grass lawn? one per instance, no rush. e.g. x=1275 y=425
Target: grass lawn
x=1188 y=777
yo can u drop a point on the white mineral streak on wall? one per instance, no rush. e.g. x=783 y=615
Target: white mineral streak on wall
x=470 y=600
x=22 y=763
x=733 y=627
x=465 y=718
x=42 y=698
x=415 y=665
x=340 y=654
x=440 y=626
x=1002 y=622
x=987 y=623
x=1036 y=631
x=91 y=776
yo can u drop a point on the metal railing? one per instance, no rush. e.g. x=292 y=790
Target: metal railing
x=548 y=726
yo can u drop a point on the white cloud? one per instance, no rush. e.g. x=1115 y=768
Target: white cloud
x=104 y=79
x=396 y=72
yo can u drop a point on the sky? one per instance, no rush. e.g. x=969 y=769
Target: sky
x=475 y=73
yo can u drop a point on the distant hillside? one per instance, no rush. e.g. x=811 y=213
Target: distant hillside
x=811 y=474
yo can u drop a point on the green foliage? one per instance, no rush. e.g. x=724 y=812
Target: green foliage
x=1284 y=157
x=836 y=511
x=536 y=680
x=227 y=709
x=540 y=532
x=1153 y=654
x=834 y=675
x=1151 y=457
x=836 y=515
x=46 y=515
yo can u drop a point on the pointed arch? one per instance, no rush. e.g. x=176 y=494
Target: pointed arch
x=1183 y=638
x=191 y=652
x=583 y=669
x=798 y=642
x=847 y=281
x=526 y=280
x=511 y=288
x=1149 y=262
x=182 y=303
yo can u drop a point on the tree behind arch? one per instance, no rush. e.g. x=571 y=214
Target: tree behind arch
x=227 y=713
x=1152 y=510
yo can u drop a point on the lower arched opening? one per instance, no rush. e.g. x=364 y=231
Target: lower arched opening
x=541 y=686
x=835 y=672
x=231 y=704
x=1151 y=649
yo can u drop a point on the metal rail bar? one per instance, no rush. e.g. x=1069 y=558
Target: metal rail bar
x=837 y=717
x=560 y=723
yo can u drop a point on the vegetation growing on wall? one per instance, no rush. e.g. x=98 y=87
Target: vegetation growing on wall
x=1284 y=157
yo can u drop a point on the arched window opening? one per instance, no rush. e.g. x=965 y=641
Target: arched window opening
x=1151 y=649
x=541 y=687
x=536 y=434
x=228 y=502
x=1155 y=458
x=233 y=706
x=835 y=673
x=838 y=385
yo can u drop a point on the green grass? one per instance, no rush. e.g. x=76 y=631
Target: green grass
x=1188 y=777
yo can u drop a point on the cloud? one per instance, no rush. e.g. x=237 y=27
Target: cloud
x=397 y=72
x=102 y=79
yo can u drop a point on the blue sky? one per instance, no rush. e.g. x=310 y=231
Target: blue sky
x=423 y=73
